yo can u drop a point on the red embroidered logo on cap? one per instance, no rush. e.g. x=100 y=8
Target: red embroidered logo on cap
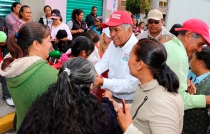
x=116 y=16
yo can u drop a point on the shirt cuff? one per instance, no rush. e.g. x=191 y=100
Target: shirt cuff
x=107 y=84
x=199 y=101
x=132 y=130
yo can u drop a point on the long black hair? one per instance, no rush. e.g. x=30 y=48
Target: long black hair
x=154 y=55
x=14 y=5
x=68 y=107
x=76 y=12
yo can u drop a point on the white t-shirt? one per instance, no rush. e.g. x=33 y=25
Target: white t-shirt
x=54 y=30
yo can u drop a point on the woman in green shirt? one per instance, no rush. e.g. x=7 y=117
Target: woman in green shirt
x=27 y=73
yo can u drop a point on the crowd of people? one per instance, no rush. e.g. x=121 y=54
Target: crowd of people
x=162 y=75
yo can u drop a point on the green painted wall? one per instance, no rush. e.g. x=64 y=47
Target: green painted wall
x=5 y=7
x=85 y=5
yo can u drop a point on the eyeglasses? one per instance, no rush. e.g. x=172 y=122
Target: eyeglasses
x=153 y=21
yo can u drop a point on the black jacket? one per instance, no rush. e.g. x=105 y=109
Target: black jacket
x=90 y=19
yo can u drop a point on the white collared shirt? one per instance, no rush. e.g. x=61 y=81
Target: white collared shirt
x=119 y=81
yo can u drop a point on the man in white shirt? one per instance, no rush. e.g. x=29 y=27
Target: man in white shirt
x=154 y=25
x=115 y=59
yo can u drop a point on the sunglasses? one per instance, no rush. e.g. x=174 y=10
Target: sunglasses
x=153 y=21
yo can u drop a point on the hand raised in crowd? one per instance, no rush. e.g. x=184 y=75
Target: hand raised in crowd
x=124 y=119
x=191 y=89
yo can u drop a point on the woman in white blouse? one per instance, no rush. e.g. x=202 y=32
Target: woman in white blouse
x=57 y=25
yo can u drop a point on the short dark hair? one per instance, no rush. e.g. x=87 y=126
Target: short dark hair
x=22 y=9
x=82 y=43
x=204 y=55
x=14 y=5
x=76 y=12
x=47 y=6
x=93 y=35
x=94 y=7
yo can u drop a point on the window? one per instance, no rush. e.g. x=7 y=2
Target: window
x=123 y=3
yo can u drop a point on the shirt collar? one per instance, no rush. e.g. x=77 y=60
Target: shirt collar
x=148 y=86
x=200 y=78
x=161 y=33
x=129 y=41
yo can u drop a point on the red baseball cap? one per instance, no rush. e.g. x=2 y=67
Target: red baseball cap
x=117 y=18
x=197 y=26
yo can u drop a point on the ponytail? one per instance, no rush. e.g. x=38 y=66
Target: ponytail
x=154 y=55
x=15 y=50
x=167 y=78
x=19 y=43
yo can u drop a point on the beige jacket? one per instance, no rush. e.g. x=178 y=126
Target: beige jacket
x=162 y=112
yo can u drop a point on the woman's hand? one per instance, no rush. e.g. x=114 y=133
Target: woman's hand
x=55 y=40
x=124 y=119
x=191 y=89
x=98 y=81
x=80 y=30
x=115 y=104
x=107 y=94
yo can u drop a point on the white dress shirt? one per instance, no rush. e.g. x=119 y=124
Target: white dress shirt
x=119 y=81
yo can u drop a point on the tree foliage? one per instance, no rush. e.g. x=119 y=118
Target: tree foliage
x=133 y=6
x=147 y=6
x=137 y=6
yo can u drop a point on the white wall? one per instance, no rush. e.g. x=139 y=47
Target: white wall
x=181 y=10
x=58 y=4
x=36 y=7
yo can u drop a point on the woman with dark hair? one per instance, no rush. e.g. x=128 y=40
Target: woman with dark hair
x=136 y=28
x=27 y=73
x=13 y=17
x=141 y=26
x=77 y=25
x=82 y=47
x=57 y=25
x=71 y=108
x=157 y=107
x=24 y=15
x=45 y=20
x=196 y=120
